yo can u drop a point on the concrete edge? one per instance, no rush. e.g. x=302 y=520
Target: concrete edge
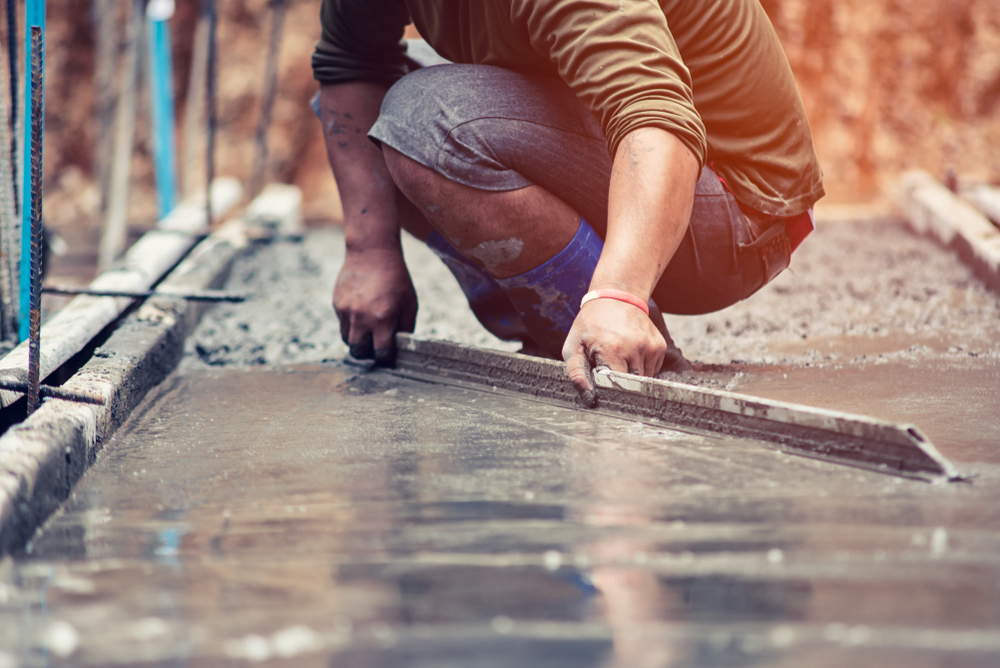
x=42 y=458
x=932 y=210
x=986 y=198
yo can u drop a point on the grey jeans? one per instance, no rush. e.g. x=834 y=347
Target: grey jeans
x=495 y=129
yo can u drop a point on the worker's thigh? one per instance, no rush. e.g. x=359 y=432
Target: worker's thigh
x=494 y=129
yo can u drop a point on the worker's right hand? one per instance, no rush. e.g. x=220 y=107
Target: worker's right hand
x=374 y=298
x=615 y=335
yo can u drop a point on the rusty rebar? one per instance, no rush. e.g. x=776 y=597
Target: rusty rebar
x=211 y=80
x=37 y=130
x=198 y=296
x=12 y=63
x=10 y=225
x=267 y=99
x=50 y=392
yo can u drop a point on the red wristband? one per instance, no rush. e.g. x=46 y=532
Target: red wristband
x=618 y=295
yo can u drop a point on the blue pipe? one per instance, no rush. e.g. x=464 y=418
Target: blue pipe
x=34 y=15
x=161 y=90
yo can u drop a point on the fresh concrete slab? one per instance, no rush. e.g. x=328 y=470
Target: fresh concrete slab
x=321 y=516
x=870 y=319
x=318 y=516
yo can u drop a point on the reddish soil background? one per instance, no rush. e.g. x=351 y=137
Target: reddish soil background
x=888 y=86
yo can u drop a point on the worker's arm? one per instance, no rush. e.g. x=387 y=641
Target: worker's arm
x=373 y=297
x=652 y=191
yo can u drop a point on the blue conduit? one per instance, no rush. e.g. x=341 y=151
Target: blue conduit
x=161 y=89
x=34 y=17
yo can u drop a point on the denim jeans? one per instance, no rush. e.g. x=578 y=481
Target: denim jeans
x=496 y=129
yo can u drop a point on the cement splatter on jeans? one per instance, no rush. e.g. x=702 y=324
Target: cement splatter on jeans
x=486 y=299
x=548 y=297
x=495 y=253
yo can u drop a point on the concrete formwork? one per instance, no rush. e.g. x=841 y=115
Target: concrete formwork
x=956 y=224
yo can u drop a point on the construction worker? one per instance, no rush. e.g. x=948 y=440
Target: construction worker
x=580 y=165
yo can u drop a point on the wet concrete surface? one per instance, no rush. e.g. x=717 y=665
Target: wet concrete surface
x=302 y=515
x=310 y=516
x=869 y=319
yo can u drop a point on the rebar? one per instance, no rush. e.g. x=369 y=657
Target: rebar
x=267 y=99
x=37 y=130
x=115 y=234
x=198 y=296
x=10 y=227
x=210 y=101
x=107 y=44
x=12 y=63
x=50 y=392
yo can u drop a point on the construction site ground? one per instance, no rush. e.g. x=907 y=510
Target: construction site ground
x=869 y=319
x=269 y=503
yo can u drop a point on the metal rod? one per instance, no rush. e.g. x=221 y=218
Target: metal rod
x=210 y=101
x=267 y=99
x=71 y=329
x=201 y=296
x=194 y=106
x=10 y=224
x=115 y=233
x=37 y=127
x=107 y=43
x=50 y=392
x=12 y=58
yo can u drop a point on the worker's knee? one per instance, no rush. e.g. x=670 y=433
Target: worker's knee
x=454 y=120
x=434 y=97
x=419 y=183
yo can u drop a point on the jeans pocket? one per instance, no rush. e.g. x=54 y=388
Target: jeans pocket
x=766 y=256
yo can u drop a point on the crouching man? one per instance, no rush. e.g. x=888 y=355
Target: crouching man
x=580 y=165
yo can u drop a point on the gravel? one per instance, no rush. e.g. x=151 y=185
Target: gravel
x=290 y=320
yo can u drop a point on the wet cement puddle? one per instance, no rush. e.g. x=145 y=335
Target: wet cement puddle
x=309 y=517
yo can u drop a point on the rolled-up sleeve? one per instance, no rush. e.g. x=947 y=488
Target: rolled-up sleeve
x=361 y=40
x=621 y=60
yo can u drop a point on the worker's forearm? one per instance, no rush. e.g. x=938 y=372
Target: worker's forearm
x=367 y=192
x=652 y=192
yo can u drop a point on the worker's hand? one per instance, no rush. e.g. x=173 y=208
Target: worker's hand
x=613 y=334
x=374 y=298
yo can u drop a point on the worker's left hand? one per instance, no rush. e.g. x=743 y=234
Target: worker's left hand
x=613 y=334
x=374 y=298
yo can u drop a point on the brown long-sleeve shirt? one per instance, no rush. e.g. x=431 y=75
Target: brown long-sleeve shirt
x=711 y=72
